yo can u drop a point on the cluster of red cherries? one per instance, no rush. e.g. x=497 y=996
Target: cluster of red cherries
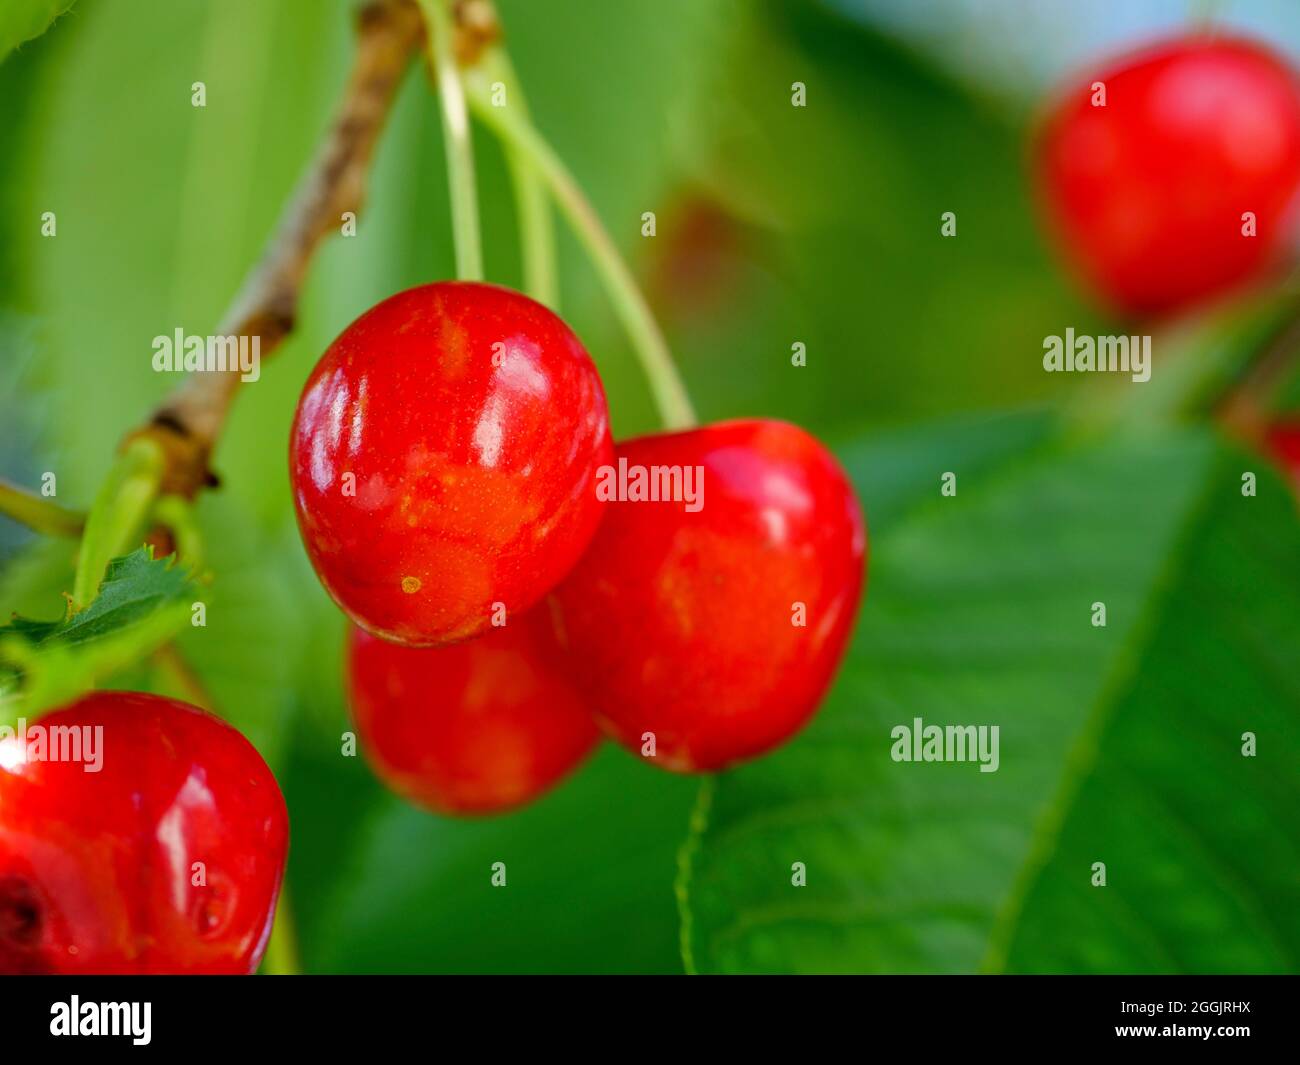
x=445 y=463
x=445 y=458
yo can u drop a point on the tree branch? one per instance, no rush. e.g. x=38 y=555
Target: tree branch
x=189 y=422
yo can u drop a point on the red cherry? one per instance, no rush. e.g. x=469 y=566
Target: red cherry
x=473 y=728
x=98 y=869
x=682 y=619
x=443 y=456
x=1148 y=192
x=1283 y=442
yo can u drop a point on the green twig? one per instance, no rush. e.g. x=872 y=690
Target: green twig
x=458 y=144
x=519 y=135
x=36 y=512
x=124 y=500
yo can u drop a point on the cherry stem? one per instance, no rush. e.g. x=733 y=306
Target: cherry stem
x=119 y=511
x=282 y=950
x=38 y=513
x=176 y=513
x=1203 y=14
x=519 y=135
x=458 y=143
x=532 y=204
x=174 y=668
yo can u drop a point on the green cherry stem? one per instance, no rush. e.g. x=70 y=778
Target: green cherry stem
x=120 y=508
x=282 y=950
x=518 y=134
x=532 y=204
x=456 y=135
x=177 y=514
x=27 y=508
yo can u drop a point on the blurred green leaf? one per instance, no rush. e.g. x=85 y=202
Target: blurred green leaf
x=37 y=576
x=979 y=613
x=835 y=212
x=21 y=20
x=106 y=137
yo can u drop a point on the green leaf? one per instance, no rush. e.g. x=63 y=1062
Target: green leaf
x=134 y=586
x=1201 y=843
x=1118 y=744
x=588 y=878
x=141 y=603
x=21 y=20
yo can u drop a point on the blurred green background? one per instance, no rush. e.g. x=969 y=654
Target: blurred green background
x=775 y=225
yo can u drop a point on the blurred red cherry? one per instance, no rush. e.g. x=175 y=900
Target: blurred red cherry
x=167 y=858
x=717 y=628
x=475 y=728
x=1148 y=192
x=1283 y=442
x=698 y=262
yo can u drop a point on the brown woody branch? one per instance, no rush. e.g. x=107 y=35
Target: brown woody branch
x=190 y=420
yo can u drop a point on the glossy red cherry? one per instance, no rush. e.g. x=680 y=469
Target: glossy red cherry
x=442 y=459
x=717 y=627
x=1148 y=192
x=167 y=859
x=475 y=728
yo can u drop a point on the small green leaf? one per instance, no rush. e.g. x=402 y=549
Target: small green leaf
x=133 y=587
x=142 y=603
